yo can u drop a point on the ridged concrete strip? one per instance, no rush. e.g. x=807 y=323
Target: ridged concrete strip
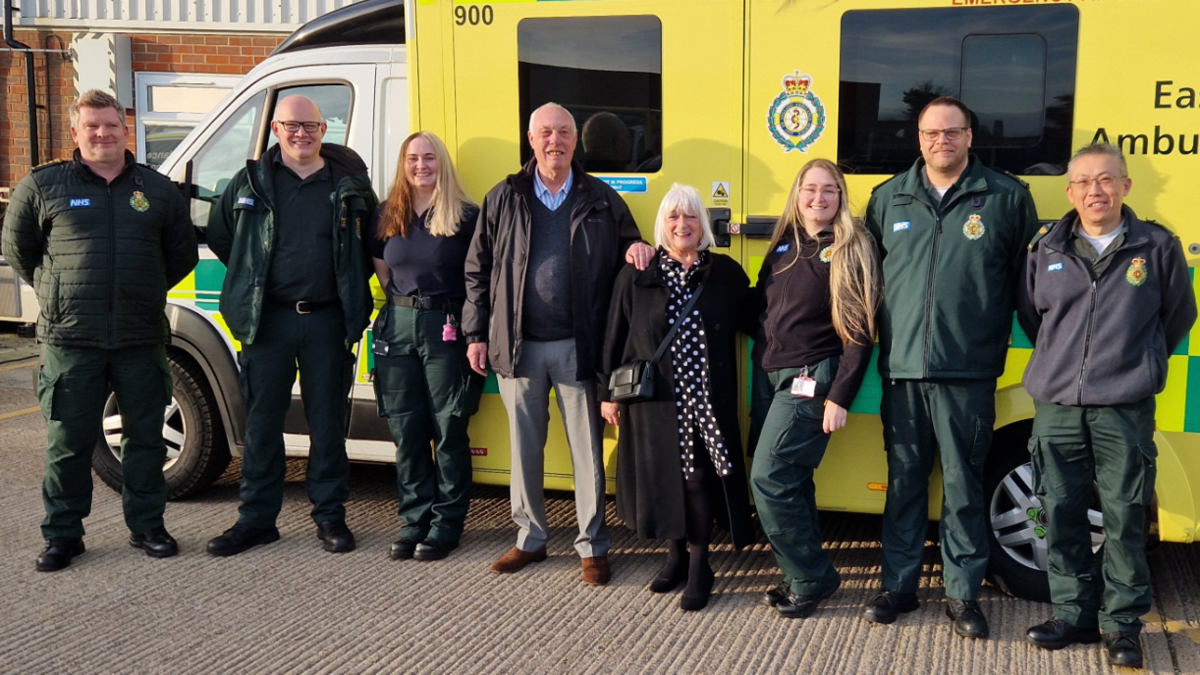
x=289 y=607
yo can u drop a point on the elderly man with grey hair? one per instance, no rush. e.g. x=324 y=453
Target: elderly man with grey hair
x=540 y=270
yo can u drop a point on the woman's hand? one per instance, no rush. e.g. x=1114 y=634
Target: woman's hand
x=611 y=412
x=835 y=417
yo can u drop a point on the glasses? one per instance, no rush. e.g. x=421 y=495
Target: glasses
x=952 y=134
x=828 y=193
x=1105 y=181
x=293 y=127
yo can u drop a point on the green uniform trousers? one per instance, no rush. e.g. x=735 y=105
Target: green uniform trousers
x=427 y=391
x=73 y=385
x=316 y=342
x=1113 y=446
x=952 y=419
x=789 y=450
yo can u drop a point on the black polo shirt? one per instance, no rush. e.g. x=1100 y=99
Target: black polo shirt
x=302 y=261
x=421 y=263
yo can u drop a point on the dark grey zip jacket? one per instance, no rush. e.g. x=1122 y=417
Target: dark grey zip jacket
x=1104 y=341
x=602 y=229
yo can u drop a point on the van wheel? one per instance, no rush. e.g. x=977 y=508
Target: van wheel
x=197 y=453
x=1018 y=525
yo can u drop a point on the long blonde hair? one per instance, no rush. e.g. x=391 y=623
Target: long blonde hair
x=854 y=268
x=450 y=197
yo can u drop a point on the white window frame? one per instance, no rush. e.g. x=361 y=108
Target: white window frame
x=143 y=81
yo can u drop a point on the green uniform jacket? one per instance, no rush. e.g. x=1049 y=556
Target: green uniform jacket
x=241 y=233
x=100 y=256
x=950 y=278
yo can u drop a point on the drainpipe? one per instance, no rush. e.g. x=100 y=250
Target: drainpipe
x=30 y=79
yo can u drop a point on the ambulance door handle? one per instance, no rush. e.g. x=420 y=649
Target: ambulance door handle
x=721 y=226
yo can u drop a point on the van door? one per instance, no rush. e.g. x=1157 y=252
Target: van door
x=656 y=92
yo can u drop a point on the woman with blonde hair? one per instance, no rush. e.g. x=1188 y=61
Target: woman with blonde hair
x=820 y=282
x=423 y=383
x=679 y=454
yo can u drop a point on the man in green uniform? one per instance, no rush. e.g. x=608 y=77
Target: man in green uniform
x=952 y=236
x=1108 y=298
x=296 y=295
x=101 y=239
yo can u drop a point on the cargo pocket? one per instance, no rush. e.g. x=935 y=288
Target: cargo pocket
x=375 y=385
x=1144 y=489
x=804 y=442
x=470 y=391
x=982 y=442
x=60 y=398
x=168 y=387
x=1037 y=461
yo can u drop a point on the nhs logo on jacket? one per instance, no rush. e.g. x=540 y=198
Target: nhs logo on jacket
x=80 y=202
x=902 y=226
x=1054 y=267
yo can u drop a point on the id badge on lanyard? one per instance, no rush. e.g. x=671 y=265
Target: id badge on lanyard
x=803 y=385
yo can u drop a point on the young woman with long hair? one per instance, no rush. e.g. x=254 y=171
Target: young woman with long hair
x=820 y=282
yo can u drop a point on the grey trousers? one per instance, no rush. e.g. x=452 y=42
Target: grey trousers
x=527 y=399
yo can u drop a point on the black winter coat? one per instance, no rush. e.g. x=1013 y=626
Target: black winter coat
x=650 y=490
x=602 y=229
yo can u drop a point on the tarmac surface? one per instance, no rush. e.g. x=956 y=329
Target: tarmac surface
x=290 y=607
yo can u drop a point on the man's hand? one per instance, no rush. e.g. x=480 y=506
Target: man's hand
x=611 y=412
x=477 y=357
x=639 y=255
x=835 y=417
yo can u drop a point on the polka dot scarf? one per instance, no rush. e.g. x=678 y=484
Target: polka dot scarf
x=689 y=360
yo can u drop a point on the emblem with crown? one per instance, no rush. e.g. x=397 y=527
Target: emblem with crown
x=796 y=119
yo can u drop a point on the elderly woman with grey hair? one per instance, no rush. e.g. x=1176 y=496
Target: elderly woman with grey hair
x=679 y=455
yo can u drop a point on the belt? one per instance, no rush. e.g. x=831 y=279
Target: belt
x=427 y=302
x=303 y=306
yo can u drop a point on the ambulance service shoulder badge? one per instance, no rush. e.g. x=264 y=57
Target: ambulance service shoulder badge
x=139 y=202
x=1136 y=274
x=974 y=227
x=797 y=116
x=826 y=254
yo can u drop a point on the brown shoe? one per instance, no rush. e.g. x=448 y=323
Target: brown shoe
x=516 y=559
x=595 y=570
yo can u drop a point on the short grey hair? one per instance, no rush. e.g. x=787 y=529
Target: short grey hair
x=545 y=106
x=685 y=199
x=1099 y=149
x=95 y=98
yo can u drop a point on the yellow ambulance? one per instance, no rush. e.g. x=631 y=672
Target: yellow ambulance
x=730 y=96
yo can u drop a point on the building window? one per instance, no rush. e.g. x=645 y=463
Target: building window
x=1014 y=69
x=169 y=106
x=607 y=71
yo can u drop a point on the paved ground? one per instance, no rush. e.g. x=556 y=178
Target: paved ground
x=292 y=608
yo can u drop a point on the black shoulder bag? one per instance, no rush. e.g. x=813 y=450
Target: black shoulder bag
x=634 y=381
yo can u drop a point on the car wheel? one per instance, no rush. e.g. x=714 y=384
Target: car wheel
x=1018 y=524
x=197 y=453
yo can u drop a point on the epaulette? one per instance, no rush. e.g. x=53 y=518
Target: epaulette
x=1042 y=231
x=1160 y=226
x=885 y=182
x=1016 y=178
x=52 y=162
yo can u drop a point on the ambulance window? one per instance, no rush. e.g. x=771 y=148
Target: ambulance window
x=224 y=153
x=1014 y=69
x=334 y=102
x=607 y=71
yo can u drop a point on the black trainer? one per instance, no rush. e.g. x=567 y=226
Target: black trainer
x=433 y=549
x=241 y=537
x=968 y=618
x=157 y=543
x=1056 y=634
x=889 y=605
x=58 y=553
x=335 y=536
x=1124 y=649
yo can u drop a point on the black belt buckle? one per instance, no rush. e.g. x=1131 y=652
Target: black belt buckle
x=303 y=307
x=422 y=302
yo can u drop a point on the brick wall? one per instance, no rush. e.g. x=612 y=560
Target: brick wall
x=219 y=54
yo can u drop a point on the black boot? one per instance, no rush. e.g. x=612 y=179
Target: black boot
x=675 y=570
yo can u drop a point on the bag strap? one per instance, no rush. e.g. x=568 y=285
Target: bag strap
x=683 y=314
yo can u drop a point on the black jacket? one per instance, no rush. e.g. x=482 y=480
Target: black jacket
x=601 y=230
x=100 y=256
x=1104 y=341
x=649 y=470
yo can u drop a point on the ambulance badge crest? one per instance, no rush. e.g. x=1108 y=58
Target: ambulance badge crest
x=797 y=116
x=1136 y=274
x=139 y=202
x=826 y=254
x=974 y=227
